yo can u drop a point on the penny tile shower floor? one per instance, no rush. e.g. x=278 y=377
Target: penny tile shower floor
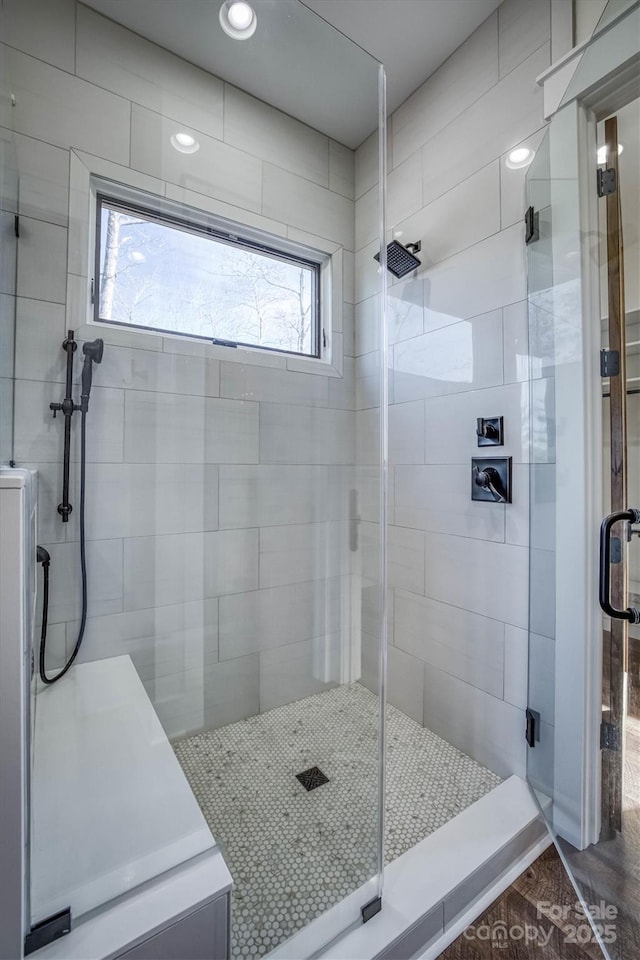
x=294 y=853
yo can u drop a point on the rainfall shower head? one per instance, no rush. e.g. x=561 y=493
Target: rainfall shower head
x=401 y=260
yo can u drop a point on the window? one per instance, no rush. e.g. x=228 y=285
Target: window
x=176 y=275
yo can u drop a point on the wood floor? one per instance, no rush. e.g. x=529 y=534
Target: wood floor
x=537 y=913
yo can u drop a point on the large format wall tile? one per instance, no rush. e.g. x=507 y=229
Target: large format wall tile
x=295 y=434
x=42 y=261
x=173 y=428
x=66 y=111
x=437 y=498
x=251 y=622
x=466 y=214
x=215 y=169
x=307 y=205
x=289 y=673
x=510 y=111
x=523 y=26
x=454 y=359
x=127 y=64
x=162 y=570
x=40 y=437
x=482 y=726
x=105 y=587
x=455 y=641
x=44 y=180
x=265 y=132
x=249 y=382
x=468 y=73
x=49 y=35
x=143 y=500
x=160 y=640
x=491 y=579
x=298 y=552
x=261 y=495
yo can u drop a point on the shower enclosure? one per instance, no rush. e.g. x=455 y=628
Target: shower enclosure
x=304 y=659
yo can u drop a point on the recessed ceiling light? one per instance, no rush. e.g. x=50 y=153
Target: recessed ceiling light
x=602 y=153
x=238 y=19
x=184 y=142
x=520 y=157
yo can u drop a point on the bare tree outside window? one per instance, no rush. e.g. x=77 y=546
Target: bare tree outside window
x=171 y=277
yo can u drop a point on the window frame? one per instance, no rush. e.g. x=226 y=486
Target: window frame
x=232 y=234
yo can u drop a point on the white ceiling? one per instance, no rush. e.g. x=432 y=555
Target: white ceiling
x=411 y=37
x=296 y=63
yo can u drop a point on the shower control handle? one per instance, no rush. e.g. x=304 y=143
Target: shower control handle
x=629 y=516
x=490 y=479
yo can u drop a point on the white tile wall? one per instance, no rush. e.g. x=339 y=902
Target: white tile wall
x=458 y=335
x=217 y=480
x=66 y=111
x=523 y=26
x=42 y=261
x=307 y=205
x=468 y=73
x=48 y=36
x=44 y=180
x=510 y=111
x=216 y=169
x=251 y=622
x=175 y=428
x=265 y=132
x=118 y=60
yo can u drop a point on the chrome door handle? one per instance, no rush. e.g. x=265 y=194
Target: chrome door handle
x=631 y=613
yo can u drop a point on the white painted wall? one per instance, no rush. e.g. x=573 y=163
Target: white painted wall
x=217 y=480
x=459 y=571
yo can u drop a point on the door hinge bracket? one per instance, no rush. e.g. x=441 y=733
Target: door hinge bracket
x=609 y=736
x=532 y=728
x=607 y=182
x=609 y=363
x=47 y=931
x=16 y=225
x=371 y=909
x=93 y=290
x=531 y=226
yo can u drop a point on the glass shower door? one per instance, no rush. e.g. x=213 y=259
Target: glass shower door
x=583 y=756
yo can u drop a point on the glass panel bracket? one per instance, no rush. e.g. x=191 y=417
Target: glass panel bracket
x=371 y=909
x=47 y=931
x=532 y=729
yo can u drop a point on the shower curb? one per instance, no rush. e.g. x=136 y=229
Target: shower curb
x=432 y=886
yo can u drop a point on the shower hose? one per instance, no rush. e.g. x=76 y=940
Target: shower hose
x=44 y=559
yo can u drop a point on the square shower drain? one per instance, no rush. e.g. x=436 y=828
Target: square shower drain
x=312 y=778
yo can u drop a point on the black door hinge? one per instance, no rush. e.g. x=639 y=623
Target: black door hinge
x=324 y=339
x=607 y=182
x=531 y=226
x=16 y=225
x=609 y=736
x=532 y=728
x=609 y=363
x=371 y=909
x=47 y=931
x=93 y=291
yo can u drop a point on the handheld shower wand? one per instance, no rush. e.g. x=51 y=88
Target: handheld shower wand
x=92 y=354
